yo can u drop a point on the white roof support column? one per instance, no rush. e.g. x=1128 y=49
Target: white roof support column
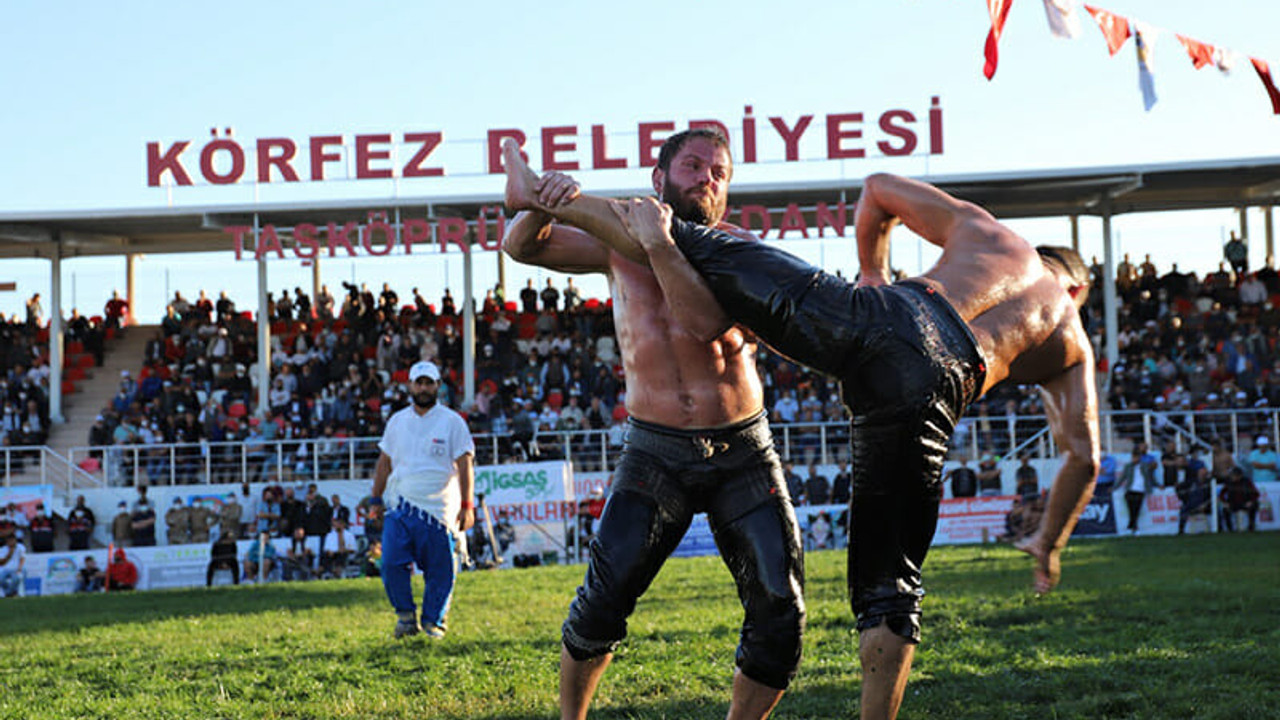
x=130 y=286
x=1109 y=306
x=468 y=328
x=55 y=331
x=1075 y=233
x=1268 y=225
x=264 y=328
x=315 y=284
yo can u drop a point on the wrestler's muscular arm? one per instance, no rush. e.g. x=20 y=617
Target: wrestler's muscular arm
x=687 y=294
x=924 y=209
x=592 y=215
x=531 y=238
x=1072 y=407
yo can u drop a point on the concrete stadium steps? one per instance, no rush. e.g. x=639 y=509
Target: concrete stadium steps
x=82 y=407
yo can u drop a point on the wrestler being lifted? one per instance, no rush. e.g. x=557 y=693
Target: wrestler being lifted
x=698 y=439
x=911 y=357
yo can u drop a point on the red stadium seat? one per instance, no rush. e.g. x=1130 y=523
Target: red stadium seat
x=68 y=387
x=85 y=361
x=555 y=399
x=400 y=376
x=237 y=410
x=75 y=347
x=526 y=326
x=75 y=373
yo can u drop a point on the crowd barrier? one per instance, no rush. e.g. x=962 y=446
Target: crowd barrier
x=334 y=458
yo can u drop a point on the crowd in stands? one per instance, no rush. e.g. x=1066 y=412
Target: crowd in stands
x=547 y=362
x=25 y=372
x=1194 y=343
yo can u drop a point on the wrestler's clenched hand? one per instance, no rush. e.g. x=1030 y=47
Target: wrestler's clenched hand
x=647 y=221
x=555 y=189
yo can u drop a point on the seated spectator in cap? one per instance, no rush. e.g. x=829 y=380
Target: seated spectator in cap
x=222 y=556
x=258 y=554
x=300 y=559
x=122 y=574
x=13 y=558
x=1238 y=494
x=1263 y=460
x=339 y=546
x=90 y=577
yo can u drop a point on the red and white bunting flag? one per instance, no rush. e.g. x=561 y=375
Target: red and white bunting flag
x=1264 y=74
x=1201 y=53
x=1114 y=28
x=1064 y=21
x=999 y=10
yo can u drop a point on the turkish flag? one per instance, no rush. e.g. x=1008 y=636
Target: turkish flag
x=1114 y=28
x=1264 y=74
x=1201 y=53
x=999 y=10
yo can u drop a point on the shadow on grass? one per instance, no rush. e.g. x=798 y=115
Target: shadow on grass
x=76 y=612
x=1161 y=682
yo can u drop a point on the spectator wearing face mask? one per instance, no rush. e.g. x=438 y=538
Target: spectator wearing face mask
x=41 y=531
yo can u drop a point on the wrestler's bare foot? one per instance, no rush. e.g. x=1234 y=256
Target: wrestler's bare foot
x=521 y=180
x=1048 y=565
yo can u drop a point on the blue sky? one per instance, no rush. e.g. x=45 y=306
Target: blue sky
x=87 y=85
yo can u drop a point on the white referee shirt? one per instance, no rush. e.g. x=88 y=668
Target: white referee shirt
x=423 y=449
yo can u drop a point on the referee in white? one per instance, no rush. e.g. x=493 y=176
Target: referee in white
x=426 y=471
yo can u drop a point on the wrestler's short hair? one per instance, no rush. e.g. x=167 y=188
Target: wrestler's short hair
x=1066 y=260
x=672 y=146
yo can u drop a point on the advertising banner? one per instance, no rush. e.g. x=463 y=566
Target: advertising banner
x=1098 y=517
x=962 y=521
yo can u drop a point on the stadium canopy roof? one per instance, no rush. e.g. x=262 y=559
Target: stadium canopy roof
x=1021 y=194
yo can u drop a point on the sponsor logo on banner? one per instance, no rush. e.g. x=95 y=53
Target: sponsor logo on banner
x=522 y=483
x=59 y=575
x=1098 y=517
x=972 y=520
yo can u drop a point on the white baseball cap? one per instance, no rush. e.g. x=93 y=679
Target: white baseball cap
x=424 y=369
x=1262 y=440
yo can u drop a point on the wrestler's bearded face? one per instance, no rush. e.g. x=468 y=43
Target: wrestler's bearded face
x=695 y=204
x=425 y=393
x=696 y=186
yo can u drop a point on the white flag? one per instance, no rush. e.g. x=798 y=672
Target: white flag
x=1063 y=19
x=1225 y=59
x=1146 y=40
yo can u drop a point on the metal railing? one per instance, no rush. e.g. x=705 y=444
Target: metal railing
x=310 y=459
x=37 y=464
x=598 y=450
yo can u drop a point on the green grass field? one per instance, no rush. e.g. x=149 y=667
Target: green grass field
x=1141 y=628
